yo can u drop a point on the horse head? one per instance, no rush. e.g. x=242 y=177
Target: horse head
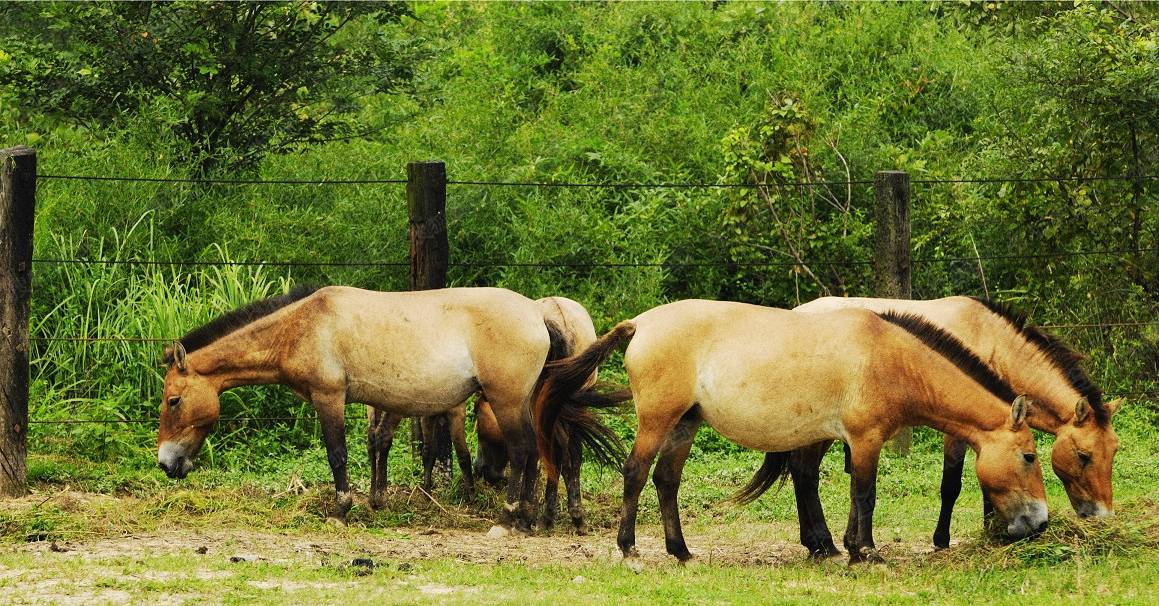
x=1083 y=450
x=189 y=407
x=1010 y=474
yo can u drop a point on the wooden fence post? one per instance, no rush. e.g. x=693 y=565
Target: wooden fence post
x=17 y=206
x=891 y=259
x=426 y=197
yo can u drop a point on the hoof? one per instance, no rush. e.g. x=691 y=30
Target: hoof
x=690 y=561
x=867 y=555
x=824 y=553
x=333 y=521
x=634 y=563
x=498 y=532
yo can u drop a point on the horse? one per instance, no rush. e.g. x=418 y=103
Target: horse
x=578 y=331
x=777 y=380
x=1068 y=403
x=410 y=353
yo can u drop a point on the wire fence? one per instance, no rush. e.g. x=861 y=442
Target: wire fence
x=1060 y=254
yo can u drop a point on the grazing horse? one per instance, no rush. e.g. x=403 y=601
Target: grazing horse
x=1034 y=363
x=777 y=380
x=411 y=353
x=577 y=332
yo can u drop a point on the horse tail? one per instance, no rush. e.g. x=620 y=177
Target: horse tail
x=562 y=406
x=775 y=470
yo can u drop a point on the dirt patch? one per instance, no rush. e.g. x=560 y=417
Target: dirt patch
x=760 y=545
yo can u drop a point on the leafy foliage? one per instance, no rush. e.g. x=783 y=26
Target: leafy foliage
x=735 y=93
x=233 y=80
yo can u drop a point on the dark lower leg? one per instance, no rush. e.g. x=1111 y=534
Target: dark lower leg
x=666 y=477
x=804 y=468
x=530 y=479
x=550 y=500
x=379 y=440
x=334 y=437
x=571 y=479
x=849 y=539
x=953 y=459
x=458 y=420
x=428 y=429
x=635 y=475
x=865 y=499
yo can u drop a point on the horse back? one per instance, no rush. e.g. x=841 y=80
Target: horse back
x=432 y=347
x=766 y=378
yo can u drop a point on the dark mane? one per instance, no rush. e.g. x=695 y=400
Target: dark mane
x=1065 y=359
x=952 y=349
x=233 y=320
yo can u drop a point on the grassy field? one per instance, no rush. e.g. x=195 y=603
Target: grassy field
x=121 y=532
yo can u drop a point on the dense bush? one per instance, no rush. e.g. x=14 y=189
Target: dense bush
x=738 y=93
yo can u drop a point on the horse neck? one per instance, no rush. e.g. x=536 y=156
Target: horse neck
x=1028 y=371
x=942 y=396
x=247 y=356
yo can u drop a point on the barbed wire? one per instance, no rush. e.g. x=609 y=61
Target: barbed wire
x=609 y=185
x=589 y=264
x=222 y=181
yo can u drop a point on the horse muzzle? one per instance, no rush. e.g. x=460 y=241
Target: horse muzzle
x=173 y=461
x=1092 y=509
x=1030 y=521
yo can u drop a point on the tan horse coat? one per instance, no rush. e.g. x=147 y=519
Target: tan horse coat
x=409 y=353
x=776 y=380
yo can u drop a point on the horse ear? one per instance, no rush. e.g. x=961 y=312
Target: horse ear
x=1019 y=409
x=175 y=354
x=1082 y=410
x=1113 y=406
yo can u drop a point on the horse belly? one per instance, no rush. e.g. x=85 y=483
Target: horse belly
x=414 y=385
x=767 y=411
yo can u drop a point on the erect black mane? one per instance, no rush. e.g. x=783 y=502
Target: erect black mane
x=953 y=350
x=233 y=320
x=1065 y=359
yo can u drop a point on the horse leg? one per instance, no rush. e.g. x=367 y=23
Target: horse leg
x=651 y=432
x=457 y=417
x=571 y=479
x=379 y=440
x=666 y=477
x=865 y=455
x=492 y=451
x=427 y=425
x=850 y=537
x=520 y=440
x=804 y=468
x=953 y=459
x=551 y=497
x=332 y=415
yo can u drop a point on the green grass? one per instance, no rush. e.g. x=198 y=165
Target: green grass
x=434 y=552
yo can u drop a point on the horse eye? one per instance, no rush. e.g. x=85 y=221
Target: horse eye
x=1084 y=458
x=174 y=401
x=1028 y=457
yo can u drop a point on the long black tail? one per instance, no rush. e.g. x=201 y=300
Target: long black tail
x=562 y=406
x=775 y=470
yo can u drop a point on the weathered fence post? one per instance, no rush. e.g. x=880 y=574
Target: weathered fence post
x=426 y=197
x=891 y=259
x=17 y=205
